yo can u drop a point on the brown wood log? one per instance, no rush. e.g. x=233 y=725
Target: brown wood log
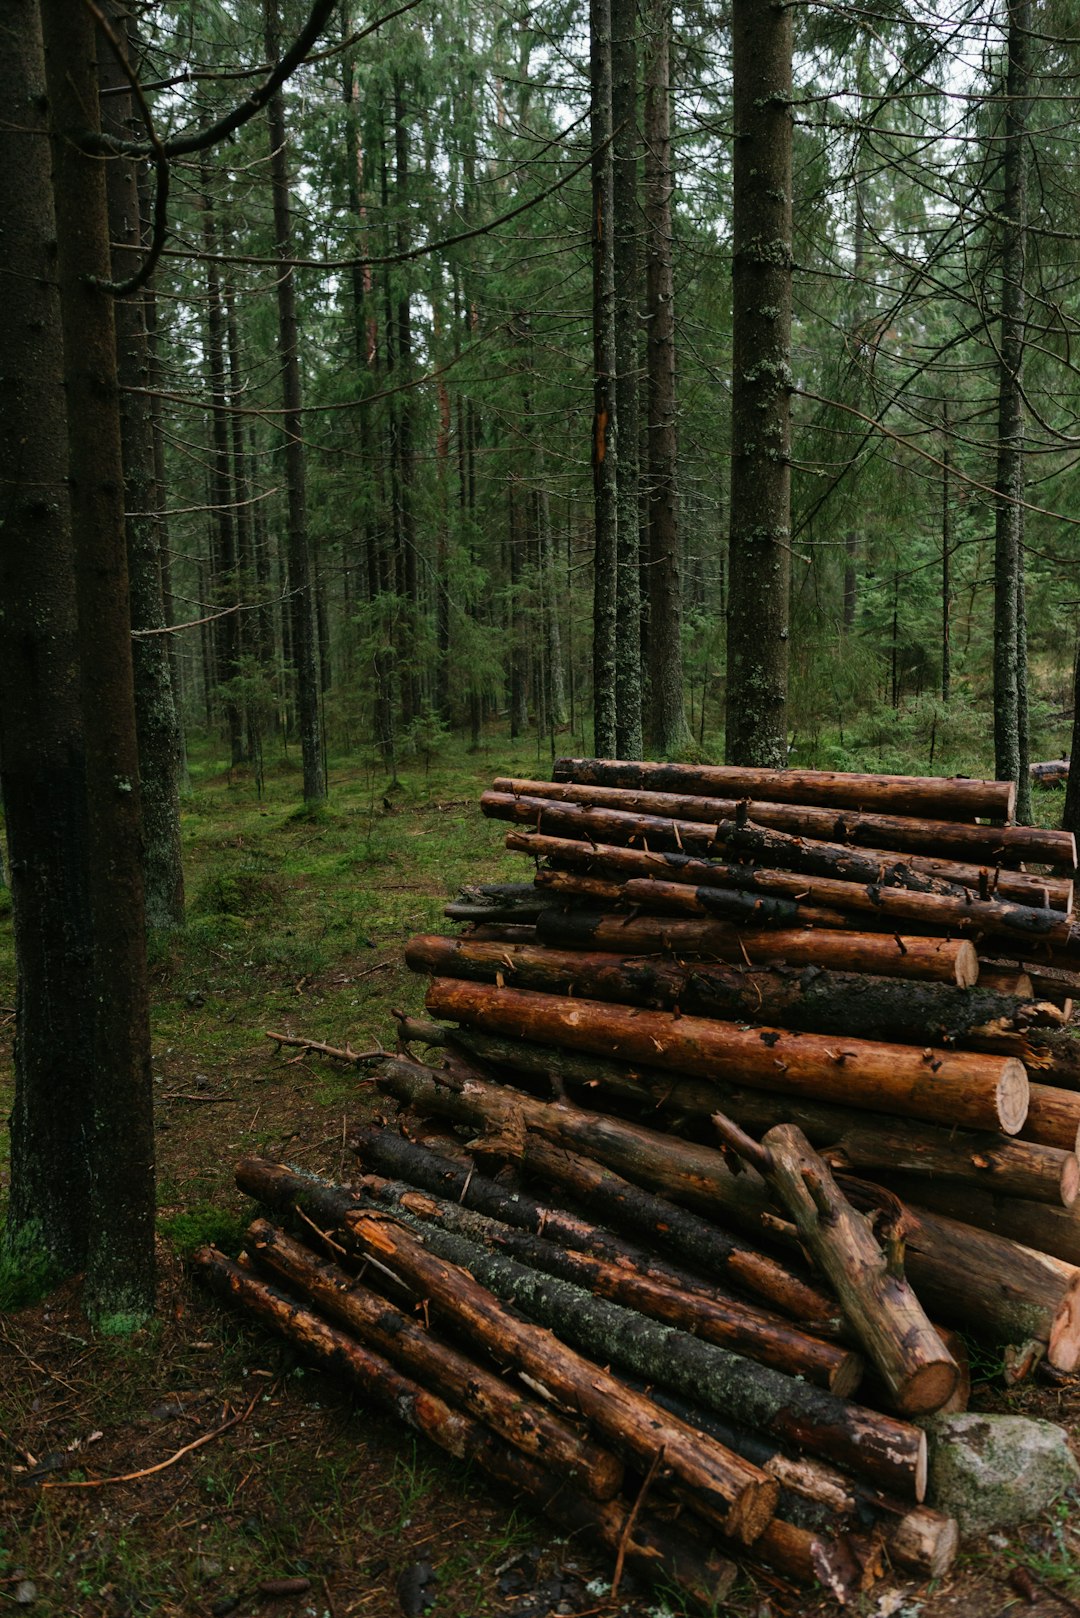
x=953 y=798
x=505 y=932
x=813 y=1000
x=1053 y=1117
x=855 y=1141
x=1055 y=1231
x=892 y=906
x=1006 y=980
x=455 y=1275
x=730 y=904
x=878 y=1302
x=958 y=1271
x=966 y=1088
x=817 y=1496
x=769 y=1339
x=737 y=1497
x=1023 y=886
x=935 y=960
x=960 y=1274
x=989 y=845
x=520 y=1419
x=655 y=1550
x=428 y=1168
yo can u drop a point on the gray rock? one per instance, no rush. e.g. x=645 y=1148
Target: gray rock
x=996 y=1471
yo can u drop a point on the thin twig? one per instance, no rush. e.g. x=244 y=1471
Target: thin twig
x=631 y=1519
x=357 y=1058
x=149 y=1471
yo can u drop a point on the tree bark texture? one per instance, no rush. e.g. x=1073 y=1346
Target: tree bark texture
x=713 y=1318
x=654 y=1549
x=120 y=1272
x=1010 y=346
x=932 y=960
x=966 y=1088
x=886 y=1316
x=471 y=1288
x=759 y=554
x=605 y=366
x=627 y=140
x=42 y=754
x=523 y=1421
x=156 y=718
x=667 y=727
x=302 y=607
x=945 y=798
x=454 y=1274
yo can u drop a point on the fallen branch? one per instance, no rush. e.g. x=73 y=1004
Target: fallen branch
x=149 y=1471
x=336 y=1053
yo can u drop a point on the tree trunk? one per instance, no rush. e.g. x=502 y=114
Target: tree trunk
x=667 y=727
x=761 y=381
x=604 y=433
x=1009 y=478
x=302 y=611
x=155 y=706
x=120 y=1271
x=42 y=752
x=653 y=1549
x=887 y=1318
x=624 y=110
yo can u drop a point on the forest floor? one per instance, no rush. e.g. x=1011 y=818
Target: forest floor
x=250 y=1467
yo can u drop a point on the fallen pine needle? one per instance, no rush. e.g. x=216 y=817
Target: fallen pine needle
x=148 y=1471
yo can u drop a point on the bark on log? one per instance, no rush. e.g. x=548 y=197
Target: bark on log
x=1053 y=1117
x=427 y=1168
x=655 y=1550
x=936 y=960
x=989 y=845
x=961 y=1275
x=731 y=904
x=1002 y=884
x=521 y=1420
x=812 y=1000
x=817 y=1496
x=1055 y=1231
x=737 y=1326
x=455 y=1275
x=966 y=1088
x=953 y=798
x=883 y=1311
x=893 y=907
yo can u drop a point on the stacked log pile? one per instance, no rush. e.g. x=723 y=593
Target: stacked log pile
x=767 y=1087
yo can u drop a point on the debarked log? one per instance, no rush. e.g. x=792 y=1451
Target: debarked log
x=1055 y=1231
x=520 y=1419
x=740 y=1327
x=939 y=960
x=455 y=1275
x=1053 y=1117
x=954 y=798
x=937 y=1086
x=657 y=1551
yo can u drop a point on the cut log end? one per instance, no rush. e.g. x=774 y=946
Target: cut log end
x=1063 y=1351
x=847 y=1376
x=926 y=1542
x=1013 y=1096
x=928 y=1388
x=921 y=1469
x=1070 y=1179
x=753 y=1510
x=967 y=965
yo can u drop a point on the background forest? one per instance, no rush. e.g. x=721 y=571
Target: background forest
x=448 y=392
